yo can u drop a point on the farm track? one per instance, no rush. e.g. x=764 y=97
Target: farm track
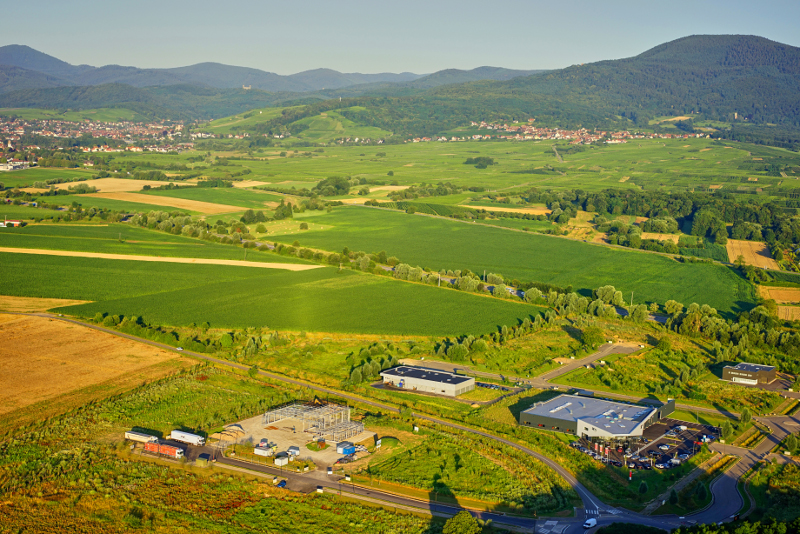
x=593 y=506
x=161 y=259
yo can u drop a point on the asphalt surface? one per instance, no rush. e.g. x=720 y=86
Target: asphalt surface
x=726 y=498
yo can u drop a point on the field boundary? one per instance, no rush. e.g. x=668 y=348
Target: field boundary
x=198 y=261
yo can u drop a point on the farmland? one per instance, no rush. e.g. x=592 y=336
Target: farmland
x=236 y=297
x=418 y=240
x=89 y=364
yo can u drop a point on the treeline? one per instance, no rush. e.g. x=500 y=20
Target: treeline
x=706 y=214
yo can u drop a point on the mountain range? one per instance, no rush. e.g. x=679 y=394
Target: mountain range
x=735 y=79
x=22 y=67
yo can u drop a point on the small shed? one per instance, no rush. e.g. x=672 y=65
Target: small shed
x=294 y=451
x=262 y=451
x=345 y=447
x=282 y=459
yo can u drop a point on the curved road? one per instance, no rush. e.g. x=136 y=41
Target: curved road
x=726 y=501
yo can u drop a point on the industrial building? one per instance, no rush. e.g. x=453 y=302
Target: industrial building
x=749 y=373
x=321 y=420
x=593 y=418
x=427 y=380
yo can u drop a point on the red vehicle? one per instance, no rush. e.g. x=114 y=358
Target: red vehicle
x=164 y=449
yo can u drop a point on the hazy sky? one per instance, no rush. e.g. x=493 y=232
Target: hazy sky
x=377 y=36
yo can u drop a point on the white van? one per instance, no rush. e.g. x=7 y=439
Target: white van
x=590 y=523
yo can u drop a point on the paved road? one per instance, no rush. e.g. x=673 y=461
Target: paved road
x=724 y=498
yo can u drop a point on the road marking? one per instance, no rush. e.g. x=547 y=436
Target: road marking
x=548 y=527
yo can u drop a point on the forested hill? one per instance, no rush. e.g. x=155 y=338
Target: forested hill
x=718 y=76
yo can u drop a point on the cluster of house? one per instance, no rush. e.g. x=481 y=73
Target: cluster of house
x=122 y=131
x=359 y=140
x=149 y=148
x=524 y=132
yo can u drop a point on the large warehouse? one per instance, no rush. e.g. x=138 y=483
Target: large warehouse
x=427 y=380
x=749 y=373
x=589 y=417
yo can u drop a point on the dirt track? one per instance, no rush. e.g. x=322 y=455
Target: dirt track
x=755 y=253
x=207 y=208
x=198 y=261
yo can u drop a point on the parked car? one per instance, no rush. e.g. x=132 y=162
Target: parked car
x=683 y=457
x=659 y=466
x=282 y=484
x=664 y=447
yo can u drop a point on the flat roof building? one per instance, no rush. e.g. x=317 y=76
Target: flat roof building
x=749 y=373
x=591 y=417
x=427 y=380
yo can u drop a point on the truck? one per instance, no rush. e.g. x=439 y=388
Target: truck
x=164 y=449
x=186 y=437
x=681 y=428
x=140 y=437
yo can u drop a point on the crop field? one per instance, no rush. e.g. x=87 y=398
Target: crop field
x=114 y=185
x=105 y=201
x=781 y=295
x=206 y=208
x=239 y=297
x=47 y=365
x=27 y=177
x=120 y=238
x=755 y=253
x=31 y=304
x=442 y=243
x=243 y=198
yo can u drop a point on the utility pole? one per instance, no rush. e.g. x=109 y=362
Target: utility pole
x=631 y=298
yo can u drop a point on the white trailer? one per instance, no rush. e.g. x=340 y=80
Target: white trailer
x=186 y=437
x=140 y=437
x=263 y=451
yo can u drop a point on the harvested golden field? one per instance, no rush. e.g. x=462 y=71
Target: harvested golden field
x=789 y=313
x=249 y=183
x=114 y=185
x=206 y=208
x=661 y=237
x=161 y=259
x=781 y=295
x=33 y=304
x=532 y=211
x=755 y=253
x=49 y=365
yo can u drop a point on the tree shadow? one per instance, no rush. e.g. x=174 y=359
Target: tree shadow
x=574 y=333
x=716 y=368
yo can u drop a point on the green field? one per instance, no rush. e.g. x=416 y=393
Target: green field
x=331 y=125
x=27 y=177
x=120 y=238
x=447 y=244
x=242 y=121
x=238 y=297
x=231 y=196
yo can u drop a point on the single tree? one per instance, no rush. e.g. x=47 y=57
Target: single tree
x=461 y=523
x=745 y=416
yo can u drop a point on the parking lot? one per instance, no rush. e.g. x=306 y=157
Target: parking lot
x=663 y=445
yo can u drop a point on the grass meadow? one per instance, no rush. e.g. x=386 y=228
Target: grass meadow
x=244 y=198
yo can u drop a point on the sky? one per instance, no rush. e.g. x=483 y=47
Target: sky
x=419 y=36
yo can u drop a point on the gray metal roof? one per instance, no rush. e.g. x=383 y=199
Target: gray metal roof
x=443 y=377
x=609 y=416
x=752 y=367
